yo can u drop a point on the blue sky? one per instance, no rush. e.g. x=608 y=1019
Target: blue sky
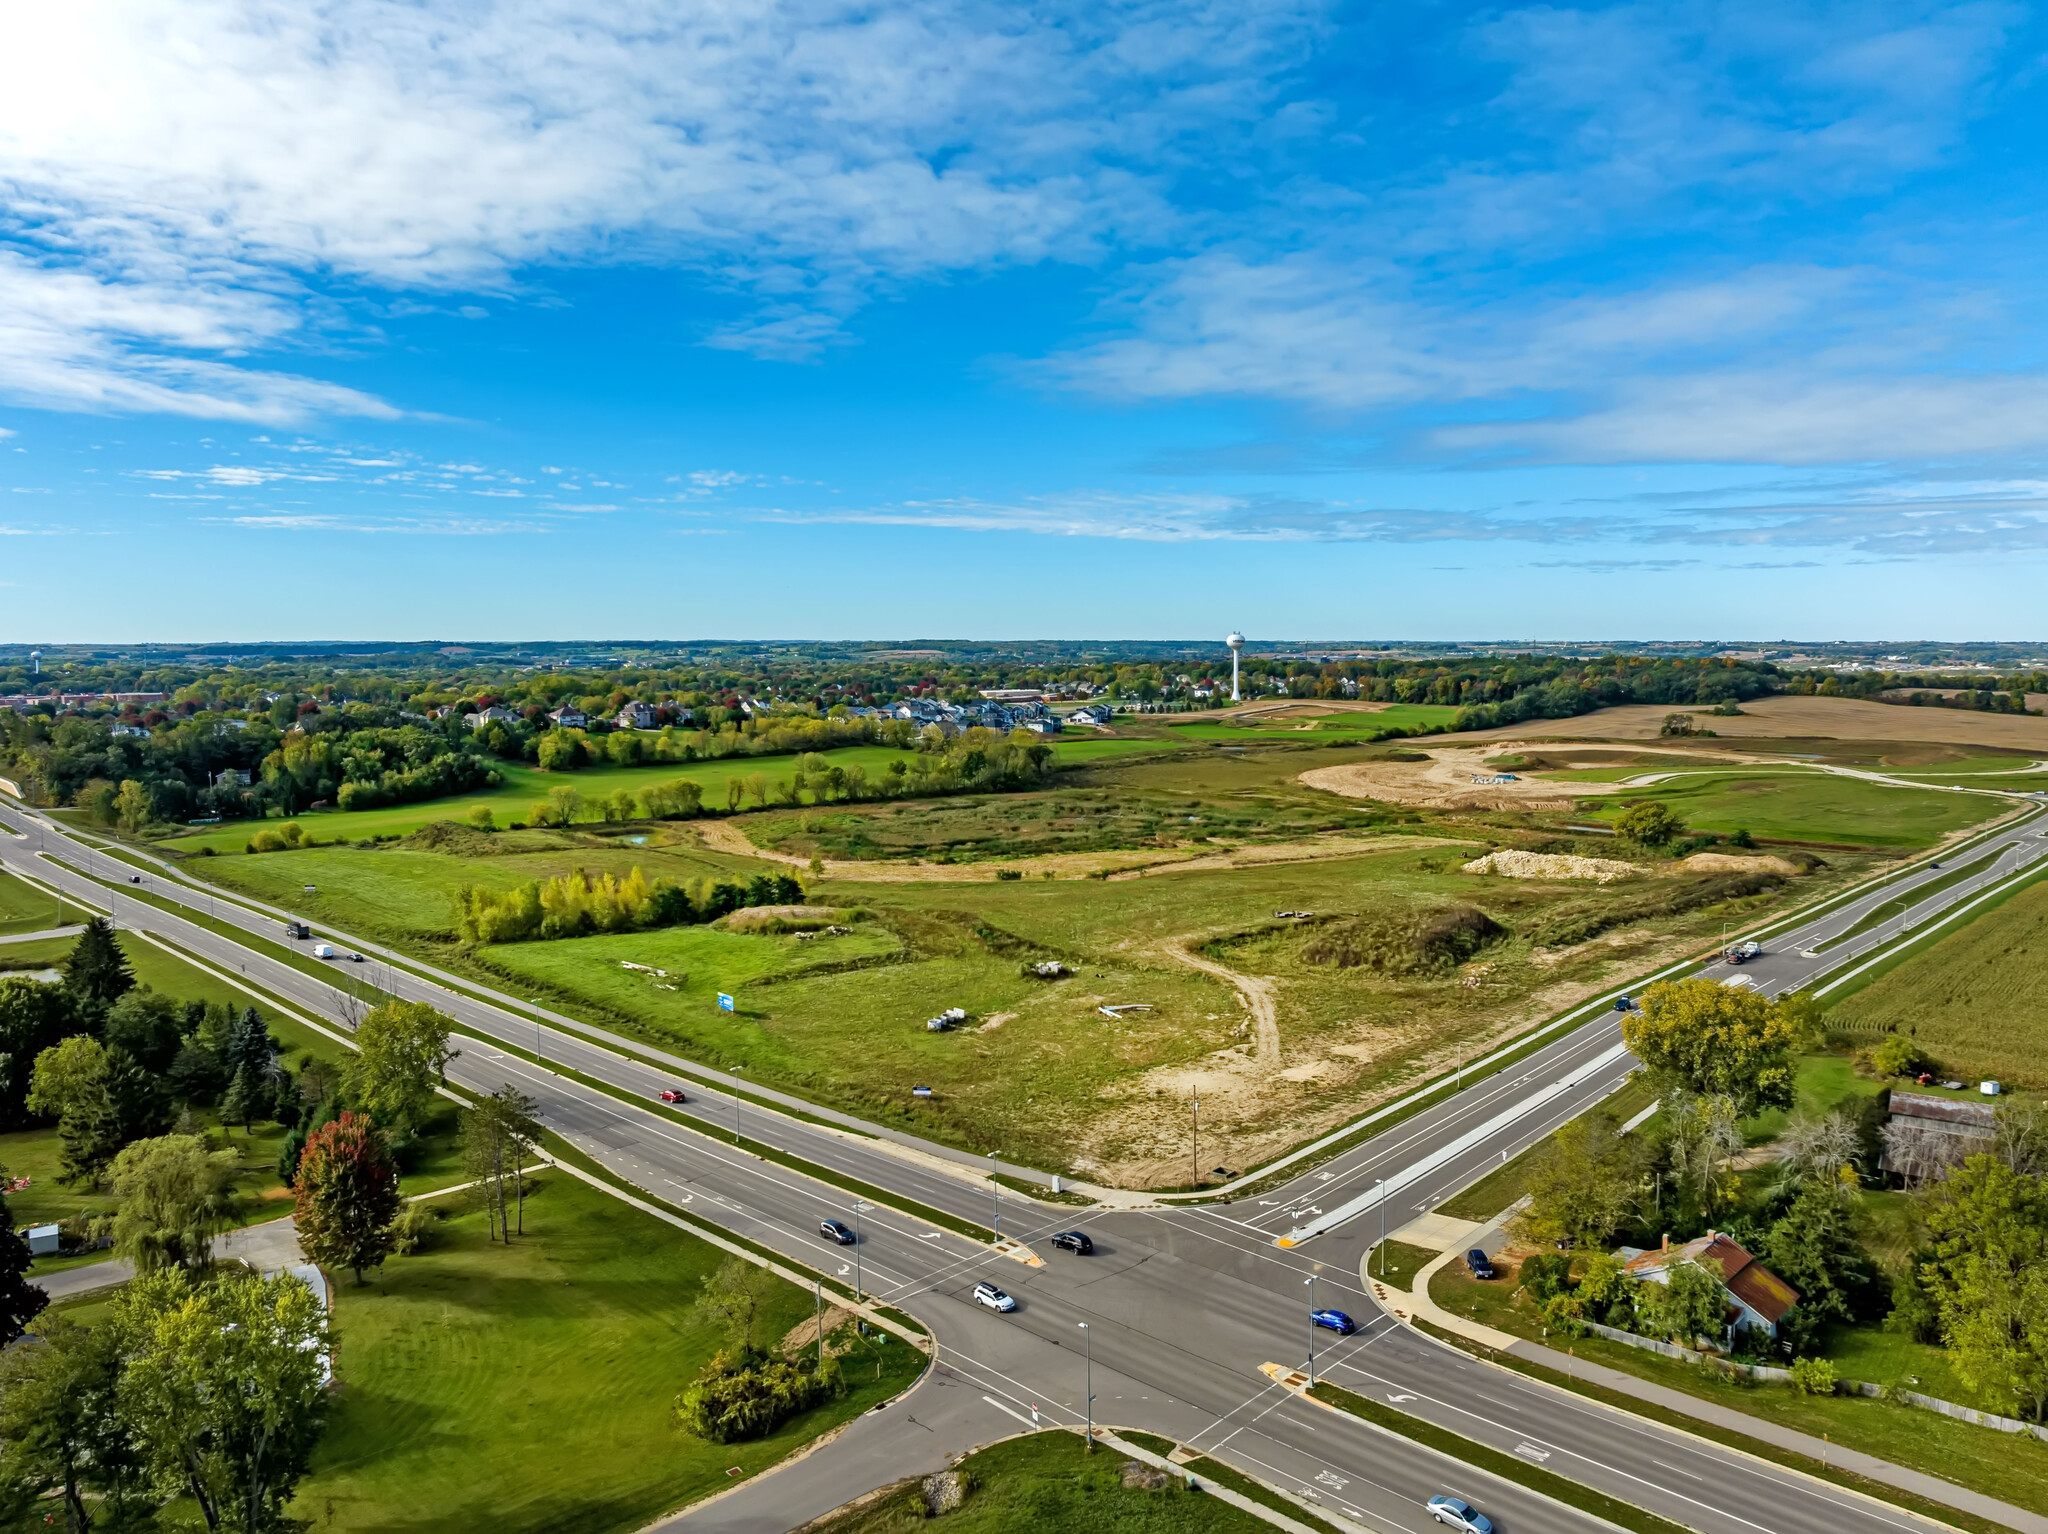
x=511 y=320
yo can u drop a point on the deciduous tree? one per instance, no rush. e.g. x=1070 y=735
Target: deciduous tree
x=1585 y=1183
x=1988 y=1277
x=347 y=1195
x=33 y=1017
x=226 y=1381
x=402 y=1057
x=1649 y=824
x=174 y=1196
x=1715 y=1040
x=62 y=1432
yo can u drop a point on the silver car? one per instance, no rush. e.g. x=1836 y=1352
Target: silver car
x=1459 y=1515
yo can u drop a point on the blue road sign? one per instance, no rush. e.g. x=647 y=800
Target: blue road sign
x=724 y=1002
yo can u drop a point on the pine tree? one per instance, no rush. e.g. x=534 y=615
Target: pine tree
x=238 y=1106
x=20 y=1301
x=97 y=970
x=249 y=1046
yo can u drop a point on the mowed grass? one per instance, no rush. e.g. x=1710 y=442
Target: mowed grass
x=1811 y=807
x=1049 y=1481
x=1351 y=724
x=1973 y=999
x=26 y=909
x=531 y=1388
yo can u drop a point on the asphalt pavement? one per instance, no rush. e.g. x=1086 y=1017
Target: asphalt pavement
x=1182 y=1305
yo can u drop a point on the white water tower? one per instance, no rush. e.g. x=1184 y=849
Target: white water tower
x=1236 y=643
x=35 y=662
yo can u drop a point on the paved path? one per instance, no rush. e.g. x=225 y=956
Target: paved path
x=37 y=937
x=273 y=1244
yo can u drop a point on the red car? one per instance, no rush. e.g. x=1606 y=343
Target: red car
x=672 y=1095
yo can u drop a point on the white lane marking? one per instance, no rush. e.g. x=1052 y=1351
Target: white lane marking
x=998 y=1405
x=1530 y=1451
x=1675 y=1470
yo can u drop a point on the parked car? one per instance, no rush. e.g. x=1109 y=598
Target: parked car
x=673 y=1095
x=832 y=1230
x=1479 y=1265
x=1335 y=1320
x=991 y=1297
x=1075 y=1241
x=1460 y=1515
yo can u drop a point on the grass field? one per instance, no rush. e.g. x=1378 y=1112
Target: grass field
x=1810 y=807
x=1049 y=1482
x=1350 y=725
x=1973 y=999
x=525 y=786
x=25 y=909
x=529 y=1389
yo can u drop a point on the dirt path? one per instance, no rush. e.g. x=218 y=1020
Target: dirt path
x=1257 y=991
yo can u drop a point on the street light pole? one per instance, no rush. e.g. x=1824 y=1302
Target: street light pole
x=534 y=1002
x=996 y=1189
x=1088 y=1339
x=1381 y=1184
x=1311 y=1282
x=858 y=1206
x=735 y=1073
x=1197 y=1168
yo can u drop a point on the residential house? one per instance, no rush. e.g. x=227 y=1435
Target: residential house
x=1928 y=1134
x=492 y=715
x=635 y=716
x=135 y=730
x=1757 y=1297
x=1049 y=725
x=1092 y=713
x=568 y=717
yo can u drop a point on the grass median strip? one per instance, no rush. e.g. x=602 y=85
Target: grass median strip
x=1507 y=1466
x=1899 y=904
x=1940 y=1512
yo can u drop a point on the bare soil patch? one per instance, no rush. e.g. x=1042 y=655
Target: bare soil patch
x=1512 y=864
x=1788 y=718
x=1450 y=780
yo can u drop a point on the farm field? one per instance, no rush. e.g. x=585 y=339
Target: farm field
x=25 y=909
x=1972 y=1000
x=1791 y=717
x=461 y=1364
x=1811 y=807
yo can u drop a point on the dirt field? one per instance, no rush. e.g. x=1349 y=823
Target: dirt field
x=1446 y=780
x=1791 y=718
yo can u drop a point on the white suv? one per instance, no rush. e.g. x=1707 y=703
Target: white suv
x=993 y=1298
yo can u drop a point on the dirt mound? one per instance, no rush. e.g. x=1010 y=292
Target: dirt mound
x=1403 y=942
x=1731 y=863
x=784 y=917
x=1511 y=864
x=1449 y=779
x=455 y=840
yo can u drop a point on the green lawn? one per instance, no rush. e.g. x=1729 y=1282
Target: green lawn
x=1050 y=1482
x=1822 y=1084
x=1811 y=807
x=1397 y=1262
x=26 y=909
x=531 y=1388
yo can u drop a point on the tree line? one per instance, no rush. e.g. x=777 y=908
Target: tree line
x=580 y=902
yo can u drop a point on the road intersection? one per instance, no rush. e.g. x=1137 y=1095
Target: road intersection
x=1183 y=1304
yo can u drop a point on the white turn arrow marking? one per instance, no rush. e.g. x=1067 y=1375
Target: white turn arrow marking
x=930 y=1235
x=1397 y=1400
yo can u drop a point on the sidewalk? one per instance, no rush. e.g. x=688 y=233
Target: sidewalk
x=1411 y=1306
x=273 y=1244
x=42 y=936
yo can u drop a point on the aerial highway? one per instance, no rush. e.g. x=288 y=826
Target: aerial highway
x=1178 y=1308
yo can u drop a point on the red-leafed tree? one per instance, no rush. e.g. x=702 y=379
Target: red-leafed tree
x=348 y=1195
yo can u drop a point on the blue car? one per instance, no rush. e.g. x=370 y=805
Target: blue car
x=1335 y=1320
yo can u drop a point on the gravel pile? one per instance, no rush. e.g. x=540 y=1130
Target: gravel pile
x=1551 y=865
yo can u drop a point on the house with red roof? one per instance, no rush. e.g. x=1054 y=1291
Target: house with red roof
x=1757 y=1297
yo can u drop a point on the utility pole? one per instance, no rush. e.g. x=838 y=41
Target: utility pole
x=1088 y=1339
x=735 y=1073
x=996 y=1189
x=1197 y=1158
x=534 y=1002
x=818 y=1318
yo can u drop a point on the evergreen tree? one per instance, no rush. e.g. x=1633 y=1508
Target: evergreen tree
x=238 y=1106
x=20 y=1301
x=249 y=1046
x=96 y=972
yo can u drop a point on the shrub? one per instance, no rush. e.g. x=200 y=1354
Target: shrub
x=1546 y=1274
x=1814 y=1377
x=1009 y=873
x=1895 y=1056
x=409 y=1230
x=746 y=1394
